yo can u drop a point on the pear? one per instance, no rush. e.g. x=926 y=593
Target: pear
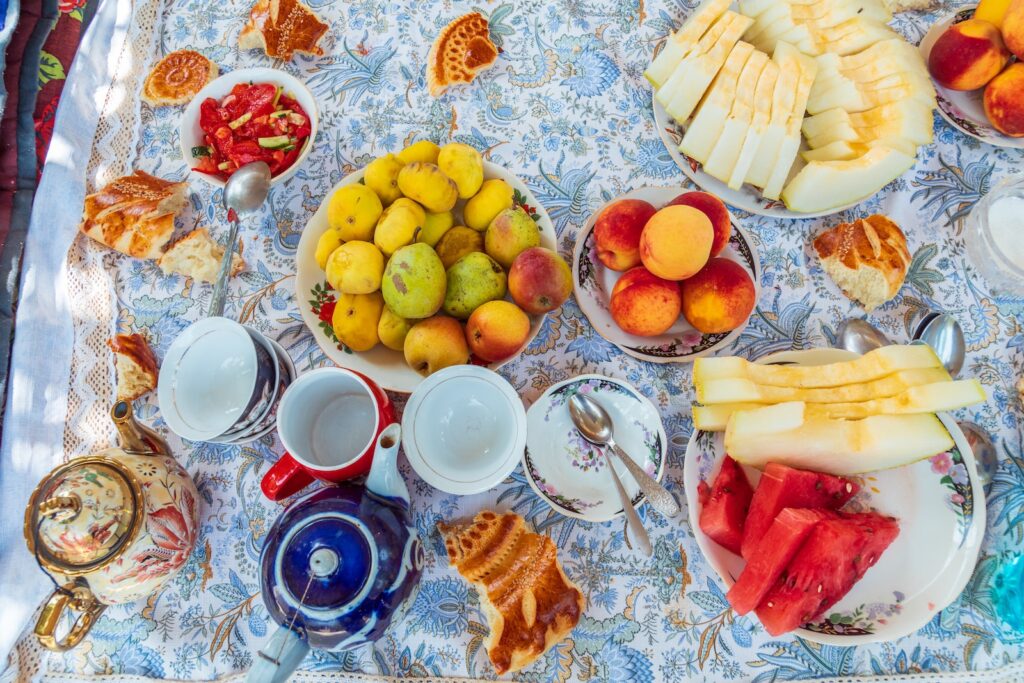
x=473 y=280
x=511 y=232
x=414 y=282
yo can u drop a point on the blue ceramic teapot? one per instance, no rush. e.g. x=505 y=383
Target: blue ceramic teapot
x=337 y=565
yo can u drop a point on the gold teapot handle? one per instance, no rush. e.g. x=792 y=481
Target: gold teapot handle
x=71 y=597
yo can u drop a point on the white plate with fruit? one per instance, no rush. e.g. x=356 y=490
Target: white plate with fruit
x=835 y=113
x=962 y=92
x=834 y=553
x=408 y=283
x=686 y=262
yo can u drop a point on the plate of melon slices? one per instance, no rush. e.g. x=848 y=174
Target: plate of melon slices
x=829 y=548
x=791 y=108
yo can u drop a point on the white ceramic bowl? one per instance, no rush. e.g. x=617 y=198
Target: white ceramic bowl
x=569 y=473
x=386 y=367
x=191 y=135
x=464 y=429
x=269 y=423
x=207 y=378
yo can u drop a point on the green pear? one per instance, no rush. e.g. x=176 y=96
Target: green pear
x=414 y=282
x=512 y=231
x=473 y=280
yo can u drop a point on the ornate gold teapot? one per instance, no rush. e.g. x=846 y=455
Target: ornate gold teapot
x=111 y=527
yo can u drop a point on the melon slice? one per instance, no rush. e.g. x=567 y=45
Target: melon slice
x=724 y=506
x=706 y=127
x=727 y=149
x=682 y=41
x=766 y=158
x=758 y=125
x=842 y=150
x=824 y=185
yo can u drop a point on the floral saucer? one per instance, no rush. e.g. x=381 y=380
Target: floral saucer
x=940 y=505
x=593 y=283
x=570 y=473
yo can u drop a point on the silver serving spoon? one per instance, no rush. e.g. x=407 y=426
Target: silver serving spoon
x=245 y=192
x=859 y=336
x=595 y=424
x=944 y=334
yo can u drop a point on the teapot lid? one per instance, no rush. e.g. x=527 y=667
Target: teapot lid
x=83 y=515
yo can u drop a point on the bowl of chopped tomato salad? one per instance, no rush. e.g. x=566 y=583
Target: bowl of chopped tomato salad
x=245 y=116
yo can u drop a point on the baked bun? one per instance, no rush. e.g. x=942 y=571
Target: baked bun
x=529 y=602
x=134 y=214
x=462 y=50
x=197 y=256
x=868 y=259
x=177 y=78
x=135 y=365
x=281 y=28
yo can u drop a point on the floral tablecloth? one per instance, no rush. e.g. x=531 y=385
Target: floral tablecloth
x=567 y=109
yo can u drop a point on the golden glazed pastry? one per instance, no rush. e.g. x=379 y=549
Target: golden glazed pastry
x=135 y=365
x=281 y=28
x=530 y=603
x=177 y=78
x=868 y=258
x=197 y=256
x=462 y=50
x=134 y=214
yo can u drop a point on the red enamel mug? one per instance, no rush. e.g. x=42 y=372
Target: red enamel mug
x=329 y=420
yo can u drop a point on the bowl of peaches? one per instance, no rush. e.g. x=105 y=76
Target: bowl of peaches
x=666 y=276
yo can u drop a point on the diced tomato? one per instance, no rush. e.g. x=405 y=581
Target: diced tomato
x=206 y=165
x=210 y=115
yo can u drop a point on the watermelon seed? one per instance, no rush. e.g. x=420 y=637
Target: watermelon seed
x=817 y=485
x=771 y=604
x=849 y=487
x=819 y=587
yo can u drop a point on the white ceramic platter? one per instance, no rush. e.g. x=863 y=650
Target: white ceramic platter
x=386 y=367
x=569 y=473
x=940 y=505
x=964 y=110
x=593 y=283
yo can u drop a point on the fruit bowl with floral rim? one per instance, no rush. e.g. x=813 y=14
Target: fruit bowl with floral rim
x=940 y=505
x=569 y=473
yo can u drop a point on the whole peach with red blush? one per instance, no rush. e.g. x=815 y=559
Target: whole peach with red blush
x=644 y=304
x=719 y=298
x=714 y=208
x=617 y=232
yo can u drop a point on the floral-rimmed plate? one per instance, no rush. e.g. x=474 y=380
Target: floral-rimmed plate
x=593 y=282
x=570 y=473
x=964 y=110
x=316 y=298
x=940 y=505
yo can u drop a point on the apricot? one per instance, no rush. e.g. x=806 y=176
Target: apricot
x=617 y=232
x=644 y=304
x=1004 y=101
x=676 y=242
x=1013 y=27
x=719 y=298
x=714 y=208
x=497 y=330
x=968 y=55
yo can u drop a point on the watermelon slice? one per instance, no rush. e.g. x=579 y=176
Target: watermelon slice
x=725 y=506
x=834 y=557
x=784 y=487
x=772 y=554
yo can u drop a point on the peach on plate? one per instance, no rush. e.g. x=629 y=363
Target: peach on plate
x=719 y=298
x=676 y=242
x=968 y=55
x=714 y=208
x=497 y=330
x=617 y=232
x=1004 y=101
x=644 y=304
x=539 y=280
x=1013 y=27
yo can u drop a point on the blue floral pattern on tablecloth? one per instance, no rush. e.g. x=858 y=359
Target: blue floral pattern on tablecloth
x=567 y=109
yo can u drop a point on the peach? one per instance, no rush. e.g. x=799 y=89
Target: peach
x=968 y=55
x=1004 y=101
x=714 y=209
x=644 y=304
x=1013 y=27
x=617 y=232
x=539 y=280
x=497 y=330
x=719 y=298
x=676 y=242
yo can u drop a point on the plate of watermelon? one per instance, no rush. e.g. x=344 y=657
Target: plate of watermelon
x=837 y=560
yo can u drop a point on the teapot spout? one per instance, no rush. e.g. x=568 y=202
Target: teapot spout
x=136 y=438
x=384 y=479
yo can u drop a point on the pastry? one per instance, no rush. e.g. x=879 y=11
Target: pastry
x=135 y=365
x=530 y=603
x=868 y=259
x=462 y=50
x=134 y=214
x=281 y=28
x=197 y=256
x=177 y=78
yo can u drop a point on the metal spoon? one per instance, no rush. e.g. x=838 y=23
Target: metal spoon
x=944 y=334
x=246 y=190
x=859 y=336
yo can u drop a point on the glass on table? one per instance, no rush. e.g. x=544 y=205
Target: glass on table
x=995 y=237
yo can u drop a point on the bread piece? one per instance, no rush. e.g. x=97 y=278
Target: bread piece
x=281 y=28
x=529 y=602
x=461 y=51
x=135 y=365
x=868 y=259
x=197 y=256
x=134 y=214
x=177 y=78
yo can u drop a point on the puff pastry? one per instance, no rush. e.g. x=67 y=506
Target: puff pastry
x=134 y=214
x=282 y=28
x=530 y=603
x=135 y=365
x=462 y=50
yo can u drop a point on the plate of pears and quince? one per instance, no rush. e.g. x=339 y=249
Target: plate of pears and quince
x=424 y=259
x=792 y=110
